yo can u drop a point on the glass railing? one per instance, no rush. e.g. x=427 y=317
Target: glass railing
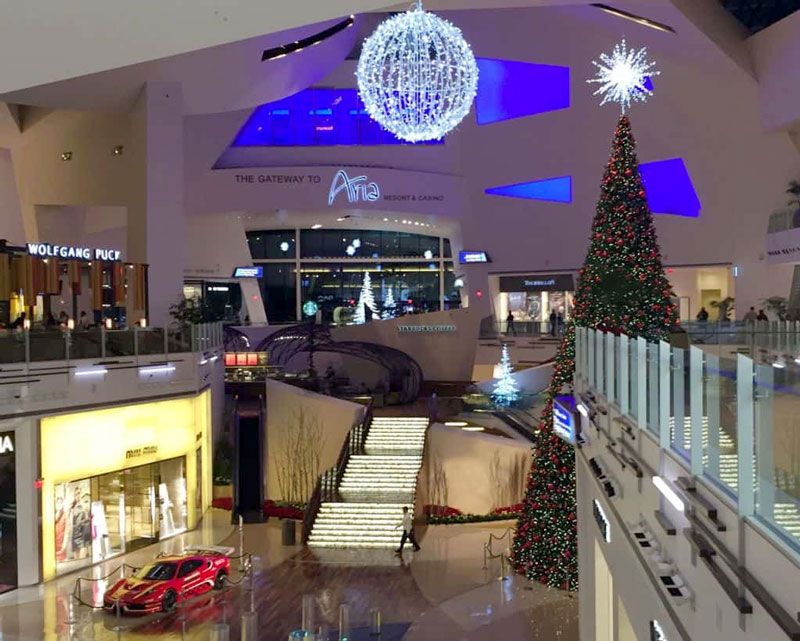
x=783 y=221
x=38 y=345
x=731 y=418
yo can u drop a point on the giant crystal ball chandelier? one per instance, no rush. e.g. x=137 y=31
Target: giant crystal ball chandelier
x=417 y=76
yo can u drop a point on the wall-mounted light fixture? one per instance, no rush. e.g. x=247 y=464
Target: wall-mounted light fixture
x=66 y=155
x=118 y=150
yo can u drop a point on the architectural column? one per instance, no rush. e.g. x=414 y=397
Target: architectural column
x=156 y=224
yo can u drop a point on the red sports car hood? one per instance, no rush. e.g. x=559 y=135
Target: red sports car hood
x=131 y=589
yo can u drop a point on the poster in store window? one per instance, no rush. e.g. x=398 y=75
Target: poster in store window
x=73 y=525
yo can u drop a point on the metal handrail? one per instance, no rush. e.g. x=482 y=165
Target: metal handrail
x=327 y=486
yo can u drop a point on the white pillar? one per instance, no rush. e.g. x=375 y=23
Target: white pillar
x=156 y=227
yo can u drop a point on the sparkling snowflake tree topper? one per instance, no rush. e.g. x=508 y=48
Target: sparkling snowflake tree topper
x=623 y=76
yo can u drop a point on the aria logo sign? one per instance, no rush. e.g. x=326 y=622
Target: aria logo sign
x=357 y=188
x=6 y=444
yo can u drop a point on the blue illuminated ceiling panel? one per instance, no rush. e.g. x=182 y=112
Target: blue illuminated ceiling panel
x=669 y=188
x=552 y=189
x=509 y=89
x=315 y=118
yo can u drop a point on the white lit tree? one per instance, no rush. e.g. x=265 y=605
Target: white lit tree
x=389 y=305
x=505 y=390
x=365 y=299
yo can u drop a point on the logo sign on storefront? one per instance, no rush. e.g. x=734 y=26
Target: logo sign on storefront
x=538 y=283
x=656 y=632
x=248 y=272
x=310 y=308
x=356 y=188
x=564 y=420
x=6 y=444
x=425 y=329
x=602 y=521
x=472 y=257
x=46 y=250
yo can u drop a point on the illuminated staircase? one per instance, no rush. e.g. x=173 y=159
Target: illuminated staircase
x=374 y=488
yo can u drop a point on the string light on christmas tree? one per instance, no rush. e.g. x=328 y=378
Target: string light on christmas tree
x=389 y=306
x=365 y=299
x=417 y=75
x=505 y=390
x=623 y=76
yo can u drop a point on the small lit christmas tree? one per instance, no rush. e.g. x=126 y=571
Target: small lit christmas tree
x=505 y=391
x=389 y=306
x=365 y=299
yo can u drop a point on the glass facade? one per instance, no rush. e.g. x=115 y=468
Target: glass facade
x=102 y=516
x=332 y=264
x=8 y=512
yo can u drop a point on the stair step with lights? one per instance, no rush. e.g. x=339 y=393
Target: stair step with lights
x=374 y=488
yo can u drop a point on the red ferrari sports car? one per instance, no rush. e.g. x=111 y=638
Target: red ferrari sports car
x=160 y=585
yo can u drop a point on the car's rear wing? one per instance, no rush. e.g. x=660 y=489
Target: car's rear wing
x=221 y=550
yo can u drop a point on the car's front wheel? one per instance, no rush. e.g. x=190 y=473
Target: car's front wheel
x=220 y=580
x=169 y=600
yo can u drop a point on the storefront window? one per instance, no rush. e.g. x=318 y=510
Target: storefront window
x=110 y=514
x=452 y=294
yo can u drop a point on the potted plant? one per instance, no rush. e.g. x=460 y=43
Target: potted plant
x=222 y=468
x=724 y=308
x=777 y=305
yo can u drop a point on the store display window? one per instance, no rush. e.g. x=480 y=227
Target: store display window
x=110 y=514
x=8 y=513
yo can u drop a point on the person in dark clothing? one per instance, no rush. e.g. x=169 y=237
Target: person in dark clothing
x=762 y=316
x=51 y=320
x=510 y=324
x=408 y=531
x=702 y=315
x=559 y=324
x=553 y=319
x=19 y=322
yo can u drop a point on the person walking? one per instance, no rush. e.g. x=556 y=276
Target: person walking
x=83 y=321
x=553 y=323
x=702 y=315
x=408 y=531
x=761 y=315
x=559 y=324
x=751 y=315
x=510 y=324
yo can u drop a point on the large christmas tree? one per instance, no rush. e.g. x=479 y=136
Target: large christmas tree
x=621 y=288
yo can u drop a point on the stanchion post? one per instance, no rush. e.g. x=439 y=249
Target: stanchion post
x=249 y=626
x=252 y=588
x=308 y=613
x=183 y=605
x=220 y=632
x=119 y=623
x=375 y=622
x=241 y=544
x=344 y=622
x=485 y=552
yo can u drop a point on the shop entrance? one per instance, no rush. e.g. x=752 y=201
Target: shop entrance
x=249 y=485
x=110 y=514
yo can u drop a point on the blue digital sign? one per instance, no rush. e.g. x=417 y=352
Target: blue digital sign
x=565 y=424
x=315 y=118
x=557 y=190
x=248 y=272
x=472 y=257
x=510 y=89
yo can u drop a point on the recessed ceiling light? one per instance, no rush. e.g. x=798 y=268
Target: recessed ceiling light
x=473 y=428
x=456 y=423
x=118 y=150
x=66 y=155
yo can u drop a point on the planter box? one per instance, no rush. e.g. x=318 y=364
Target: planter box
x=221 y=491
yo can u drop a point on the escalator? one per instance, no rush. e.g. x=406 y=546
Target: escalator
x=521 y=426
x=249 y=457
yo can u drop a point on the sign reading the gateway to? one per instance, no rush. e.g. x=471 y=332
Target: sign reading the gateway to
x=425 y=329
x=46 y=250
x=347 y=186
x=248 y=272
x=538 y=283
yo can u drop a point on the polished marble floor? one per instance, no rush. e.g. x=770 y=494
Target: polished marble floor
x=441 y=592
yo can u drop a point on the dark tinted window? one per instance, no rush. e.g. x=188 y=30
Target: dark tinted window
x=354 y=243
x=271 y=244
x=189 y=566
x=157 y=571
x=278 y=292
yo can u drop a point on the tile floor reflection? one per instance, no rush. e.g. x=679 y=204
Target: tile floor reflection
x=441 y=592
